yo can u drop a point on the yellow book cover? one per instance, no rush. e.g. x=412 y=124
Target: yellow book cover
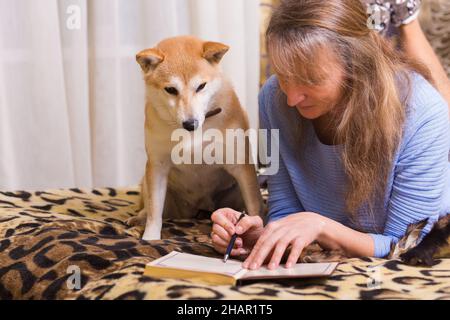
x=177 y=265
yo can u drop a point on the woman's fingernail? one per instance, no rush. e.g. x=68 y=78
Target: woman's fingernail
x=253 y=265
x=238 y=229
x=289 y=264
x=242 y=251
x=271 y=265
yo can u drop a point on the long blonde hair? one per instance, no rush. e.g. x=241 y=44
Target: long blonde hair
x=370 y=125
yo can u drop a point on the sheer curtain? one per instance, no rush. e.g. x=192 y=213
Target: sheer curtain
x=71 y=92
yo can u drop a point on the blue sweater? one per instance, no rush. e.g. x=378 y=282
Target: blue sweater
x=312 y=178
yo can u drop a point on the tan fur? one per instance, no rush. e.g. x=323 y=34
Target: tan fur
x=181 y=190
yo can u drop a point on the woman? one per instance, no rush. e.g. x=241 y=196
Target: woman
x=364 y=140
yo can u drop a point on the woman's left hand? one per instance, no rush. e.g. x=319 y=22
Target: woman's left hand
x=298 y=230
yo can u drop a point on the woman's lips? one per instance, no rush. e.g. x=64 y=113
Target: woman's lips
x=305 y=107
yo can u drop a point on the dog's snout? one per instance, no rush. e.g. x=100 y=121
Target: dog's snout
x=191 y=124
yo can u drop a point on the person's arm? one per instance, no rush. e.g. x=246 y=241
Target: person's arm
x=336 y=236
x=418 y=186
x=298 y=230
x=416 y=45
x=282 y=197
x=420 y=172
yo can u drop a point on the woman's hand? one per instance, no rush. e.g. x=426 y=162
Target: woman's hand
x=298 y=230
x=224 y=227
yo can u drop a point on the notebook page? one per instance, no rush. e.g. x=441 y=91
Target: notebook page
x=187 y=261
x=297 y=271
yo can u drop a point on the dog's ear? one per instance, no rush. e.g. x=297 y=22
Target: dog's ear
x=214 y=51
x=149 y=59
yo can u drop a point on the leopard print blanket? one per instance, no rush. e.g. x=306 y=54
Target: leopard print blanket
x=75 y=244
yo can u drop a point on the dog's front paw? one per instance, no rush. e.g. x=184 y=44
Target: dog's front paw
x=136 y=221
x=152 y=231
x=151 y=235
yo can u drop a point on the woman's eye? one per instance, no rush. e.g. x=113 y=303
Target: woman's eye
x=171 y=90
x=201 y=87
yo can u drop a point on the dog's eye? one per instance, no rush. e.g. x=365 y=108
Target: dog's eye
x=201 y=87
x=171 y=90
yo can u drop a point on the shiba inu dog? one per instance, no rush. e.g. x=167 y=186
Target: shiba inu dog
x=186 y=90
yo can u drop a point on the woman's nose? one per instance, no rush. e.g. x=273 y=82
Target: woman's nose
x=295 y=97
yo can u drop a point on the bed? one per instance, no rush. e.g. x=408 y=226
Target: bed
x=75 y=244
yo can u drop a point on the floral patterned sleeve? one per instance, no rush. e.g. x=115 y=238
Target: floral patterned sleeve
x=386 y=15
x=405 y=11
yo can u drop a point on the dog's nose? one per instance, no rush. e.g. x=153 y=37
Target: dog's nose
x=190 y=125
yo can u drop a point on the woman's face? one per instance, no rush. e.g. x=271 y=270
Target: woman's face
x=314 y=101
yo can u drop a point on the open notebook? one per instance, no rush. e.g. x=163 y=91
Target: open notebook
x=214 y=271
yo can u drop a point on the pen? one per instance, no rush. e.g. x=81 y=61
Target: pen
x=232 y=241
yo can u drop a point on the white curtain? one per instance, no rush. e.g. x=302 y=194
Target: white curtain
x=71 y=92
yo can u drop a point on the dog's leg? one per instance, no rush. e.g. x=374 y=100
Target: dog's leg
x=139 y=219
x=155 y=187
x=245 y=175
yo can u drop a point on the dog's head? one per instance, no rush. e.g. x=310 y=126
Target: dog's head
x=182 y=75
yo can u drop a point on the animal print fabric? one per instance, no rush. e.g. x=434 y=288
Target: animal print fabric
x=45 y=237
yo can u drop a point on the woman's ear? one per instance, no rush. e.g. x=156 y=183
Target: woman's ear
x=149 y=59
x=214 y=51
